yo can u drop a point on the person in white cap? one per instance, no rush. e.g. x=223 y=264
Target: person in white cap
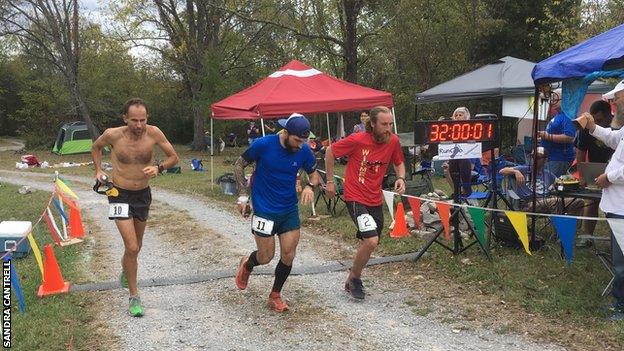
x=278 y=159
x=612 y=184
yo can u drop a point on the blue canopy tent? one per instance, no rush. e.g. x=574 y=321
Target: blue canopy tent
x=599 y=57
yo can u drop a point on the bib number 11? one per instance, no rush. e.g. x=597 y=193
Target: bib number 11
x=262 y=225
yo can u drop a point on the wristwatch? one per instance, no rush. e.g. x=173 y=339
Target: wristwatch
x=310 y=185
x=161 y=168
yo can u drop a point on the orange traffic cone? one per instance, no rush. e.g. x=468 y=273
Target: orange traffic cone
x=76 y=230
x=53 y=282
x=400 y=225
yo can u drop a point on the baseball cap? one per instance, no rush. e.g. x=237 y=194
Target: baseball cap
x=296 y=124
x=611 y=94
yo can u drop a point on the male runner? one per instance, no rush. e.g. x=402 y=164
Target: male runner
x=278 y=158
x=131 y=157
x=369 y=155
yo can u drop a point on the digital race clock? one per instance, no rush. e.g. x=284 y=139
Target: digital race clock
x=475 y=130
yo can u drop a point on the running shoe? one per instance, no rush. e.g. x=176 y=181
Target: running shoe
x=276 y=303
x=242 y=275
x=136 y=310
x=355 y=287
x=123 y=280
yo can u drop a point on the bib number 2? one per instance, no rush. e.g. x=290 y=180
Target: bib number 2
x=118 y=211
x=262 y=225
x=366 y=223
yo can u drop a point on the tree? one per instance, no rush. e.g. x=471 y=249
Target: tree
x=337 y=26
x=48 y=30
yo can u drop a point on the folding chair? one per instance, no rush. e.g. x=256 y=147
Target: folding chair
x=331 y=204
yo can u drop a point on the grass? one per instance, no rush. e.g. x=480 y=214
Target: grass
x=541 y=284
x=56 y=322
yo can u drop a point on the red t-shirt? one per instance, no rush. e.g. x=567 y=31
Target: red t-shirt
x=367 y=165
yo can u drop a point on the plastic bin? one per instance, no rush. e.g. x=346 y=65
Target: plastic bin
x=11 y=232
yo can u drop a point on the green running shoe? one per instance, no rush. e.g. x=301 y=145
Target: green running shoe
x=123 y=280
x=136 y=310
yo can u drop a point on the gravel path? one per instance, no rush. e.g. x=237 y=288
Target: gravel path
x=215 y=315
x=16 y=144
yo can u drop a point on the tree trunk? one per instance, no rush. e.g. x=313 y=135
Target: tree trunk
x=351 y=10
x=199 y=142
x=81 y=108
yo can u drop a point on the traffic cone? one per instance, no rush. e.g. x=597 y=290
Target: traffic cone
x=76 y=229
x=53 y=282
x=400 y=225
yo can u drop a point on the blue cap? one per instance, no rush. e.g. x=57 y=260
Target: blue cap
x=296 y=124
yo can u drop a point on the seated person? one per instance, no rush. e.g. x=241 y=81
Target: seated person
x=231 y=140
x=544 y=180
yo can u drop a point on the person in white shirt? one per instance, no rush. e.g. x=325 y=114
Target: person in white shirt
x=612 y=184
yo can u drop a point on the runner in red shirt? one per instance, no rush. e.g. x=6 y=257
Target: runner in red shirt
x=369 y=155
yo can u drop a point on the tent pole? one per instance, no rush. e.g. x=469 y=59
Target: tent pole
x=262 y=124
x=328 y=131
x=394 y=120
x=536 y=104
x=211 y=153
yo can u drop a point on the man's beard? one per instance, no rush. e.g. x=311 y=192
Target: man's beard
x=382 y=138
x=290 y=147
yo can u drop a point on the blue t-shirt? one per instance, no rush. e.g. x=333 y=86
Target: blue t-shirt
x=273 y=185
x=544 y=180
x=560 y=124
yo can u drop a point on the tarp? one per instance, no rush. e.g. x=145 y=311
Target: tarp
x=601 y=53
x=506 y=77
x=297 y=87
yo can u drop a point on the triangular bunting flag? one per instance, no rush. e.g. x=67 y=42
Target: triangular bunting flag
x=36 y=251
x=519 y=222
x=617 y=227
x=478 y=218
x=52 y=228
x=415 y=206
x=69 y=202
x=64 y=188
x=566 y=230
x=400 y=225
x=389 y=197
x=58 y=207
x=444 y=210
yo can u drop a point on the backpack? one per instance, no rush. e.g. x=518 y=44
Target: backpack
x=197 y=165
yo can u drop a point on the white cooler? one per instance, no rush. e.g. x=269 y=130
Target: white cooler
x=11 y=232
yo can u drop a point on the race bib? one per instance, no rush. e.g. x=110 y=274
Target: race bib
x=262 y=225
x=118 y=211
x=366 y=223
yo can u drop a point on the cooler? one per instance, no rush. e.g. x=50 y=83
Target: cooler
x=11 y=232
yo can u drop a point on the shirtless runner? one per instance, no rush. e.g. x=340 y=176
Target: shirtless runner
x=131 y=156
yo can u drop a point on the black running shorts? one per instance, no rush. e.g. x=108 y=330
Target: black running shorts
x=368 y=220
x=130 y=204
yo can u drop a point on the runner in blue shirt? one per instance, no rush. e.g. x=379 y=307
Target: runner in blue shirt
x=278 y=159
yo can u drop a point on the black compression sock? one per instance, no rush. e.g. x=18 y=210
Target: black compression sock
x=252 y=261
x=282 y=272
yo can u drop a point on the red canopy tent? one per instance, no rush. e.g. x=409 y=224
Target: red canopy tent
x=299 y=88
